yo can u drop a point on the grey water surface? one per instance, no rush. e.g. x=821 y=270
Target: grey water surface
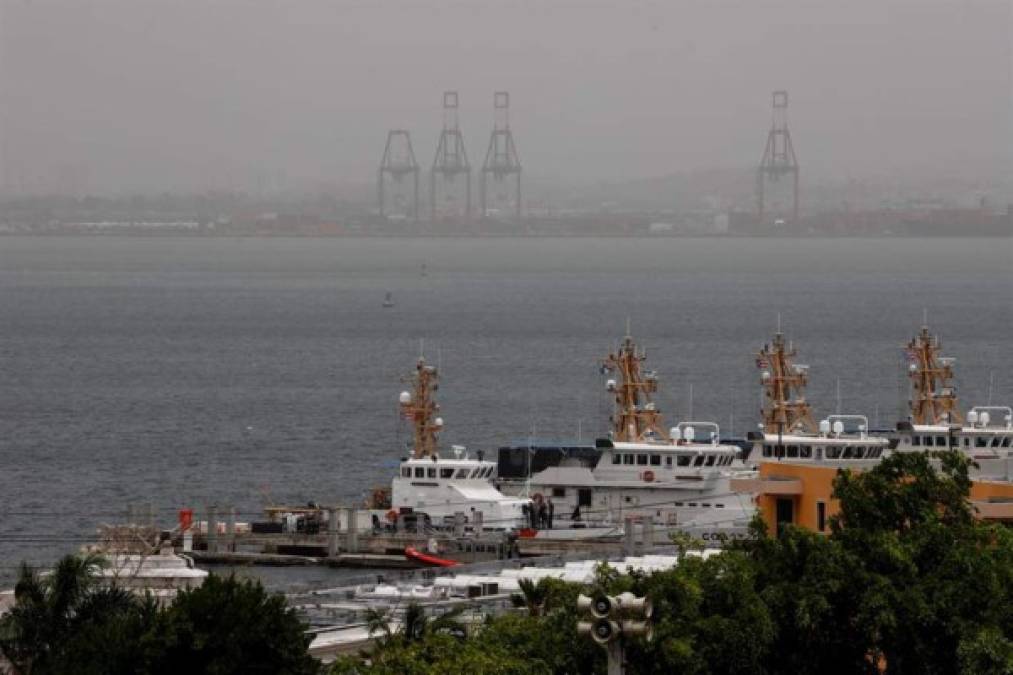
x=179 y=371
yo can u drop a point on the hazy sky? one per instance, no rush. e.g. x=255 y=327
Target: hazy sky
x=118 y=95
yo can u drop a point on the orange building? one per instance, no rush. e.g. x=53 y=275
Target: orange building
x=801 y=494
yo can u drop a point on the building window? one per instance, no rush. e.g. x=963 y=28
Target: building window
x=558 y=492
x=784 y=512
x=821 y=516
x=584 y=497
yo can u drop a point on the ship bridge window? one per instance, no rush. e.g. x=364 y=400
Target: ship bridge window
x=967 y=442
x=682 y=460
x=833 y=452
x=916 y=441
x=941 y=442
x=793 y=452
x=768 y=450
x=462 y=473
x=655 y=460
x=980 y=442
x=558 y=492
x=805 y=451
x=420 y=472
x=928 y=442
x=668 y=461
x=642 y=460
x=1005 y=441
x=406 y=472
x=431 y=472
x=475 y=473
x=627 y=459
x=617 y=459
x=710 y=460
x=446 y=473
x=698 y=461
x=995 y=441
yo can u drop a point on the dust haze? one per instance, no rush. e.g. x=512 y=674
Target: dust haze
x=114 y=96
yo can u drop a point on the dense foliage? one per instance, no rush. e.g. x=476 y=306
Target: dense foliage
x=908 y=581
x=66 y=623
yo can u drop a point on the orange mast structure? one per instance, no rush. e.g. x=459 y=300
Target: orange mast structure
x=785 y=409
x=933 y=398
x=420 y=407
x=635 y=418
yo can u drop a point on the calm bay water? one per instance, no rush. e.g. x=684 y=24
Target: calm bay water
x=177 y=371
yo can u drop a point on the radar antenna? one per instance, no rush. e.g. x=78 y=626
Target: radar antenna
x=933 y=397
x=420 y=407
x=635 y=418
x=785 y=409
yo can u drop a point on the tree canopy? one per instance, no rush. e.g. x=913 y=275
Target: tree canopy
x=907 y=581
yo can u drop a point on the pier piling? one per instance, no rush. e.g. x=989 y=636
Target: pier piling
x=212 y=533
x=332 y=532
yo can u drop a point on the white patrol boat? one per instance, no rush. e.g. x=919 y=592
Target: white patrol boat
x=441 y=488
x=935 y=422
x=677 y=477
x=788 y=430
x=682 y=481
x=437 y=488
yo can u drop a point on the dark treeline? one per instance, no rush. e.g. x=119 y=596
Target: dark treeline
x=907 y=581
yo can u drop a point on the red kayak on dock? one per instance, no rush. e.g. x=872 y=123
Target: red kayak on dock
x=413 y=554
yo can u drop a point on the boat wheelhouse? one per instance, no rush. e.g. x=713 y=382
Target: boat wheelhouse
x=841 y=440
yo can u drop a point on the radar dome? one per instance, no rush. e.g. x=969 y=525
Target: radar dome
x=689 y=433
x=972 y=417
x=984 y=418
x=838 y=427
x=438 y=422
x=405 y=398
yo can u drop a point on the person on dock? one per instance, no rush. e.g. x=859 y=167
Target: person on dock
x=551 y=510
x=575 y=516
x=543 y=515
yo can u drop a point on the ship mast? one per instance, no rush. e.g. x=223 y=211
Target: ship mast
x=933 y=398
x=420 y=406
x=635 y=418
x=785 y=409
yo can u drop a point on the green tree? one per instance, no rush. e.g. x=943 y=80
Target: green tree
x=229 y=626
x=44 y=630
